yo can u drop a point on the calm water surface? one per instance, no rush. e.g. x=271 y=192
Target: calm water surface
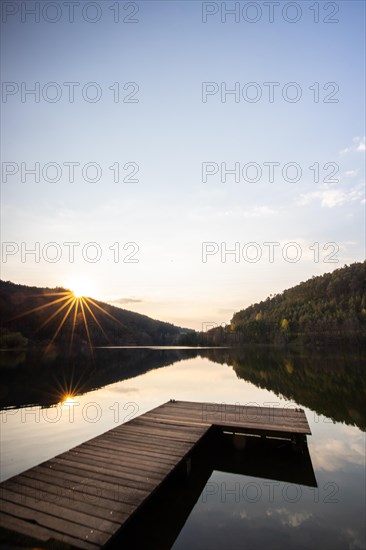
x=233 y=511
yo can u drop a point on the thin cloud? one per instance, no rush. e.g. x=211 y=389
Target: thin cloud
x=358 y=145
x=333 y=455
x=255 y=212
x=351 y=173
x=288 y=518
x=329 y=198
x=262 y=211
x=124 y=301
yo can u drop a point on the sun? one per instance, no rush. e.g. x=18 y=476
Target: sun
x=68 y=400
x=78 y=292
x=73 y=304
x=81 y=288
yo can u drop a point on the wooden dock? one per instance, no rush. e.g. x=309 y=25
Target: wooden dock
x=85 y=496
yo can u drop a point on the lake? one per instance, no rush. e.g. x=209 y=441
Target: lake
x=52 y=405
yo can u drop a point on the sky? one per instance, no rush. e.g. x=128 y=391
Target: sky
x=160 y=136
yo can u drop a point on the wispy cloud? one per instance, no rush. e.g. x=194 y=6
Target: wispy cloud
x=358 y=145
x=287 y=518
x=210 y=212
x=329 y=198
x=254 y=212
x=356 y=541
x=332 y=455
x=351 y=173
x=124 y=301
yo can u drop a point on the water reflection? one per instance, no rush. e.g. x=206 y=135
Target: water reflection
x=293 y=519
x=128 y=382
x=247 y=511
x=47 y=381
x=331 y=384
x=159 y=523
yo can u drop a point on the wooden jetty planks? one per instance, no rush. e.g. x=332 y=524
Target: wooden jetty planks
x=82 y=497
x=263 y=418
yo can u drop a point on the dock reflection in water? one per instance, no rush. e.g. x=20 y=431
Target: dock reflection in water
x=159 y=523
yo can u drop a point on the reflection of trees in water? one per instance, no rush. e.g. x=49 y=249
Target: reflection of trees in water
x=45 y=380
x=12 y=358
x=332 y=384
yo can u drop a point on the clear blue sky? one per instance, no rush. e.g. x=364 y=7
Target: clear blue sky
x=169 y=212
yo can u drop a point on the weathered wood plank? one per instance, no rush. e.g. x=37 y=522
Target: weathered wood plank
x=44 y=534
x=132 y=487
x=108 y=456
x=169 y=441
x=206 y=417
x=154 y=466
x=259 y=424
x=48 y=492
x=170 y=448
x=143 y=462
x=144 y=459
x=45 y=519
x=59 y=510
x=90 y=464
x=221 y=411
x=94 y=491
x=88 y=492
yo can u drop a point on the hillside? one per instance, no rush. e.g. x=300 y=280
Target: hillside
x=330 y=307
x=42 y=314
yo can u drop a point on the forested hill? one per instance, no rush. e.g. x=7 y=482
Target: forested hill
x=35 y=314
x=330 y=307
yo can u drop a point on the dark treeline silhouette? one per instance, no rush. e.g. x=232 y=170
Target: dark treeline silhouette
x=121 y=327
x=327 y=309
